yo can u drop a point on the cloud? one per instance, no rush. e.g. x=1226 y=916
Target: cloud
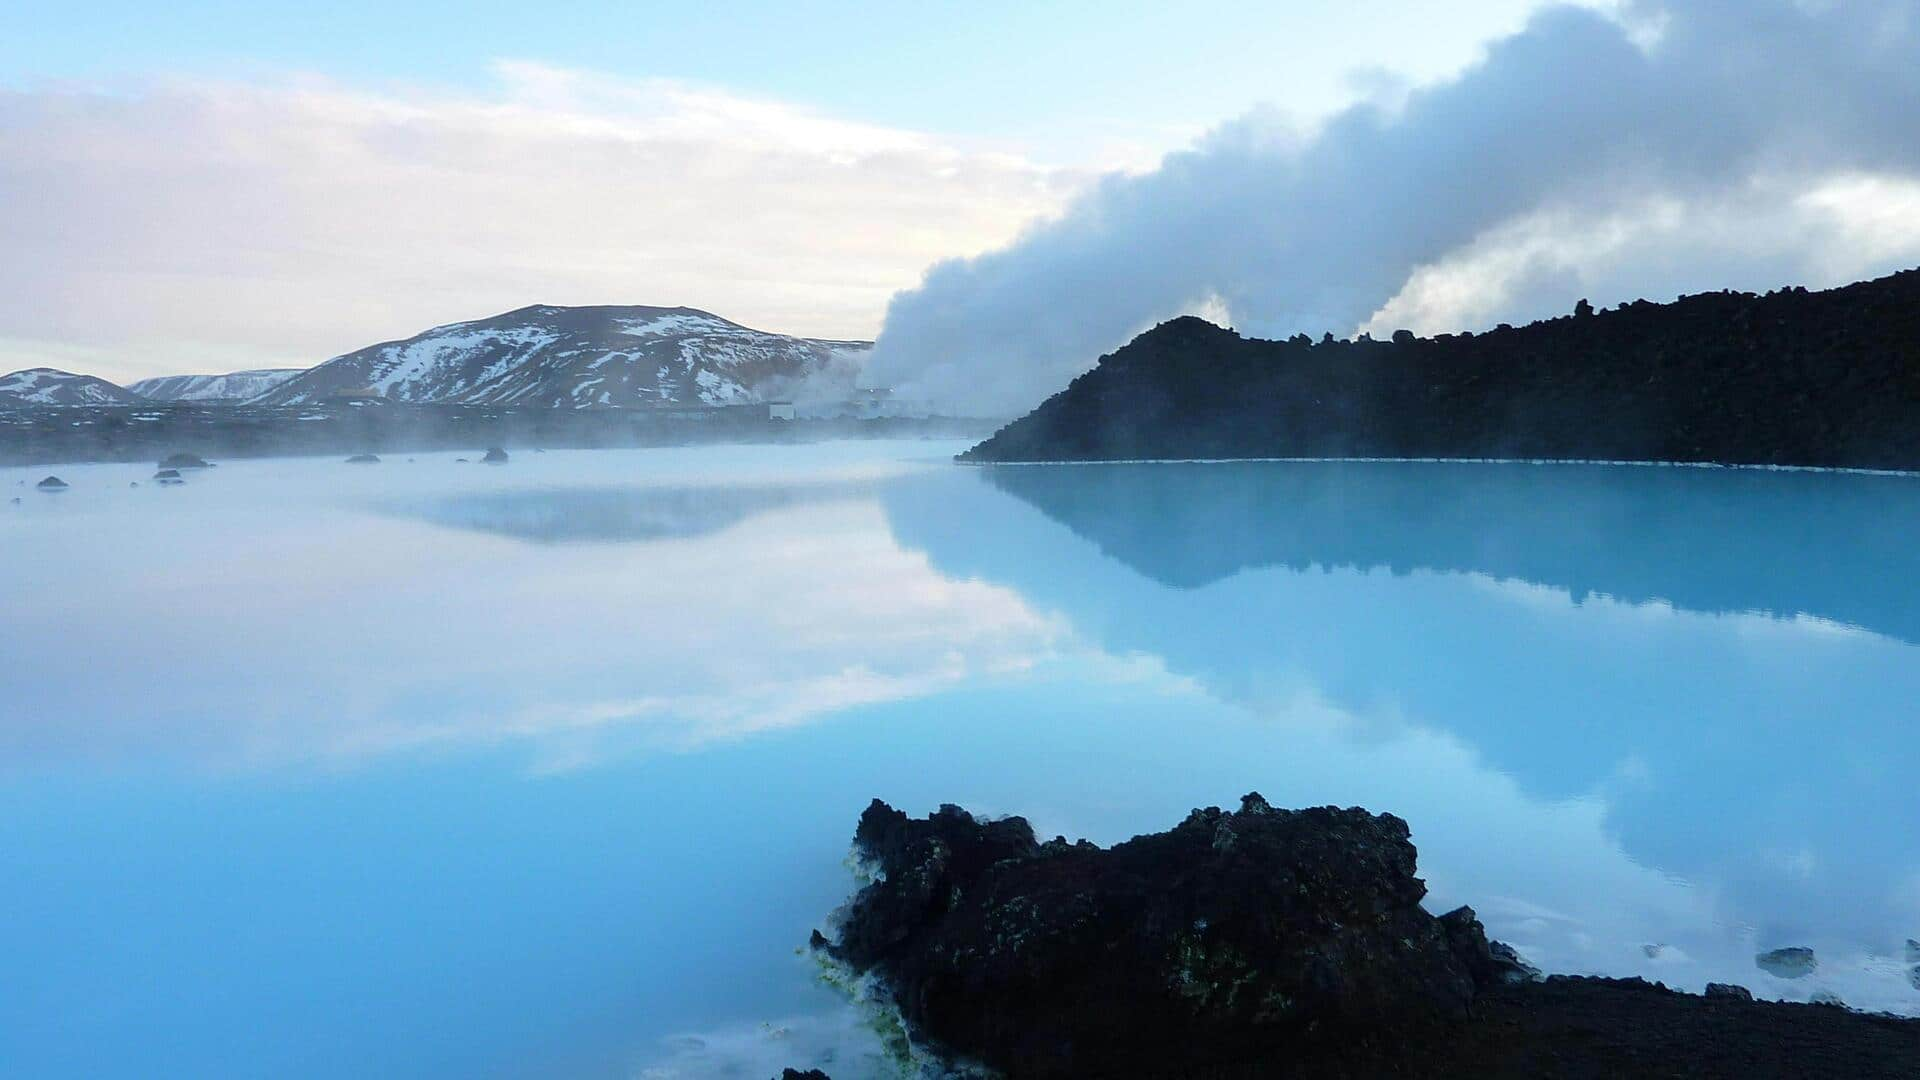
x=1584 y=151
x=208 y=225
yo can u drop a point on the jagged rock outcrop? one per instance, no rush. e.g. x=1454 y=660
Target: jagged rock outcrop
x=1233 y=936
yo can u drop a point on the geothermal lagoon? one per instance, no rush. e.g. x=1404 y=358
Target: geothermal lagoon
x=430 y=768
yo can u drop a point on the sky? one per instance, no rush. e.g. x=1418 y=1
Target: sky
x=999 y=192
x=207 y=187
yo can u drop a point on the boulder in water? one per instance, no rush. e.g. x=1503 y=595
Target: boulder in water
x=185 y=461
x=364 y=459
x=52 y=483
x=1794 y=962
x=1234 y=936
x=495 y=456
x=169 y=477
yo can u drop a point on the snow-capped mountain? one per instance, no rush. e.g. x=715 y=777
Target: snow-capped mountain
x=581 y=357
x=236 y=386
x=49 y=386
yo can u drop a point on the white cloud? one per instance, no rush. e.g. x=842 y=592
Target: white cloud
x=208 y=225
x=1822 y=232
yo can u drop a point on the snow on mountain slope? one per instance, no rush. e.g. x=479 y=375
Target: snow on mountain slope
x=236 y=386
x=48 y=386
x=581 y=357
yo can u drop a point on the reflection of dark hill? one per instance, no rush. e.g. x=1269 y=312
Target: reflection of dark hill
x=1761 y=738
x=1707 y=540
x=1791 y=378
x=612 y=515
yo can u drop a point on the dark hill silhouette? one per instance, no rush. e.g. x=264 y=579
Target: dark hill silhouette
x=1792 y=378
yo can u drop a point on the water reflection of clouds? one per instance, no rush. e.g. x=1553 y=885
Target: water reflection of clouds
x=330 y=635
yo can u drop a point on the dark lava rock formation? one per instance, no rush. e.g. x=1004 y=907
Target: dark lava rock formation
x=364 y=459
x=1231 y=937
x=495 y=456
x=185 y=461
x=1264 y=943
x=1790 y=378
x=52 y=483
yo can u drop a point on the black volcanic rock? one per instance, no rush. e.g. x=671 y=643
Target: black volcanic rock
x=494 y=456
x=185 y=461
x=1232 y=936
x=1793 y=377
x=52 y=483
x=1796 y=962
x=169 y=476
x=1270 y=943
x=364 y=459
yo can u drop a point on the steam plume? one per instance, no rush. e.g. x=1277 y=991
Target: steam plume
x=1578 y=111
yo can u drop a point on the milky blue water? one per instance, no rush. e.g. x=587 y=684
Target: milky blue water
x=435 y=769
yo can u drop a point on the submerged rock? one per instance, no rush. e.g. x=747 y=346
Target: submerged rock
x=1794 y=962
x=364 y=459
x=185 y=461
x=797 y=1074
x=1232 y=936
x=1913 y=951
x=52 y=483
x=495 y=456
x=169 y=476
x=1729 y=990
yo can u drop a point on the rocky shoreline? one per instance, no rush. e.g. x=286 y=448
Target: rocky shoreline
x=1265 y=942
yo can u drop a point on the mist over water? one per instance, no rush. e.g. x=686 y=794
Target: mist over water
x=443 y=770
x=1743 y=107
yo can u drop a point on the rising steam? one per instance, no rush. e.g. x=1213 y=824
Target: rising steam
x=1578 y=112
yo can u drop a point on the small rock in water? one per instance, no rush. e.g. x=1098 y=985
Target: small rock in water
x=364 y=459
x=1653 y=951
x=52 y=483
x=1729 y=990
x=169 y=477
x=185 y=461
x=495 y=456
x=459 y=461
x=1795 y=962
x=1913 y=951
x=797 y=1074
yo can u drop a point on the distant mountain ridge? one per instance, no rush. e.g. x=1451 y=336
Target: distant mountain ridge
x=235 y=386
x=581 y=357
x=42 y=387
x=1794 y=377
